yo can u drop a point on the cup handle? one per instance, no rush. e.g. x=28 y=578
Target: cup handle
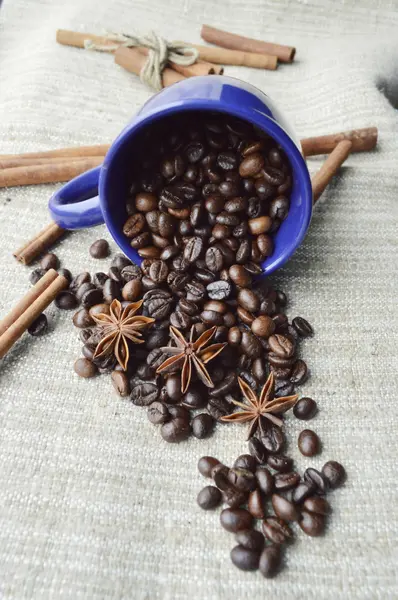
x=76 y=204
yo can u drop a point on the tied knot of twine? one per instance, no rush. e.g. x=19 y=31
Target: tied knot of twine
x=160 y=53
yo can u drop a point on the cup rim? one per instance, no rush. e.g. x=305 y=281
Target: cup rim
x=255 y=117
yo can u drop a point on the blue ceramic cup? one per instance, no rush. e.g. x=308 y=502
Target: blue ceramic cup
x=100 y=194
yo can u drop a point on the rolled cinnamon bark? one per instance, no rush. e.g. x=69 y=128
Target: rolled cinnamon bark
x=9 y=163
x=39 y=243
x=48 y=173
x=133 y=59
x=237 y=58
x=73 y=152
x=361 y=139
x=237 y=42
x=77 y=39
x=330 y=168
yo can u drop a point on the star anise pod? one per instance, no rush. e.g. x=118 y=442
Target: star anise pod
x=120 y=325
x=259 y=407
x=190 y=354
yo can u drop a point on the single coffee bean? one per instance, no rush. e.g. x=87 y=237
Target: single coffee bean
x=260 y=225
x=219 y=474
x=302 y=327
x=248 y=300
x=214 y=260
x=209 y=497
x=279 y=208
x=284 y=509
x=36 y=275
x=158 y=413
x=240 y=276
x=85 y=368
x=234 y=498
x=318 y=479
x=286 y=481
x=92 y=297
x=334 y=473
x=283 y=388
x=99 y=249
x=141 y=240
x=250 y=539
x=281 y=345
x=65 y=273
x=263 y=326
x=305 y=409
x=66 y=300
x=257 y=450
x=49 y=261
x=317 y=505
x=134 y=225
x=82 y=289
x=99 y=279
x=309 y=443
x=251 y=165
x=158 y=271
x=149 y=252
x=77 y=281
x=276 y=530
x=234 y=336
x=302 y=491
x=111 y=291
x=242 y=479
x=265 y=480
x=39 y=326
x=219 y=290
x=121 y=383
x=206 y=464
x=132 y=290
x=219 y=407
x=175 y=431
x=270 y=561
x=312 y=524
x=265 y=244
x=273 y=439
x=255 y=504
x=143 y=394
x=279 y=462
x=194 y=398
x=259 y=370
x=225 y=386
x=193 y=249
x=179 y=412
x=250 y=345
x=82 y=319
x=145 y=202
x=299 y=372
x=180 y=320
x=120 y=261
x=159 y=241
x=245 y=559
x=235 y=519
x=173 y=388
x=202 y=425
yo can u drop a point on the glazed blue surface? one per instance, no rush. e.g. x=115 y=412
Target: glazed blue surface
x=77 y=204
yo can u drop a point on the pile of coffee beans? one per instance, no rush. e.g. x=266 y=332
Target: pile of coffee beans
x=265 y=497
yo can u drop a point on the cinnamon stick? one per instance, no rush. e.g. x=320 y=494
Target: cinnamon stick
x=27 y=300
x=361 y=139
x=30 y=314
x=237 y=58
x=39 y=243
x=201 y=67
x=73 y=152
x=48 y=173
x=239 y=42
x=330 y=168
x=133 y=59
x=77 y=39
x=9 y=163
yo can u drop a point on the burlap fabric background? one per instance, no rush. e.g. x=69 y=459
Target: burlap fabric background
x=92 y=503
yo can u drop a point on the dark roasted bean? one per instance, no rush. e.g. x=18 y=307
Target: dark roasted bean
x=206 y=464
x=284 y=509
x=276 y=530
x=242 y=479
x=209 y=497
x=312 y=524
x=100 y=249
x=176 y=430
x=255 y=504
x=245 y=559
x=265 y=480
x=85 y=368
x=121 y=383
x=302 y=327
x=235 y=519
x=309 y=443
x=218 y=408
x=317 y=505
x=270 y=561
x=250 y=539
x=202 y=425
x=273 y=439
x=66 y=300
x=246 y=461
x=334 y=473
x=39 y=325
x=257 y=450
x=302 y=491
x=50 y=261
x=286 y=481
x=279 y=462
x=318 y=479
x=144 y=394
x=305 y=409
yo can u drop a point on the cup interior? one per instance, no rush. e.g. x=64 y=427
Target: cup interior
x=143 y=138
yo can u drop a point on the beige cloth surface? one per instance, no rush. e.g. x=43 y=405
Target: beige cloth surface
x=92 y=503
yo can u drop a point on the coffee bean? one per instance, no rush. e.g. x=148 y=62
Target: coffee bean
x=255 y=504
x=251 y=165
x=250 y=345
x=99 y=249
x=77 y=281
x=257 y=450
x=286 y=481
x=82 y=289
x=180 y=320
x=284 y=509
x=173 y=388
x=145 y=202
x=85 y=368
x=134 y=225
x=66 y=300
x=214 y=260
x=149 y=252
x=194 y=398
x=263 y=326
x=242 y=479
x=312 y=524
x=265 y=480
x=82 y=319
x=144 y=394
x=317 y=505
x=279 y=208
x=111 y=291
x=299 y=372
x=318 y=479
x=158 y=413
x=276 y=530
x=66 y=273
x=302 y=491
x=270 y=561
x=279 y=462
x=265 y=244
x=158 y=303
x=248 y=300
x=246 y=461
x=49 y=261
x=250 y=539
x=283 y=388
x=39 y=325
x=235 y=519
x=132 y=290
x=141 y=240
x=234 y=336
x=219 y=474
x=36 y=275
x=218 y=408
x=195 y=291
x=305 y=409
x=302 y=327
x=240 y=276
x=219 y=290
x=225 y=386
x=259 y=370
x=121 y=383
x=91 y=297
x=158 y=271
x=209 y=497
x=281 y=345
x=202 y=425
x=309 y=443
x=334 y=473
x=273 y=439
x=206 y=464
x=260 y=225
x=245 y=559
x=175 y=431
